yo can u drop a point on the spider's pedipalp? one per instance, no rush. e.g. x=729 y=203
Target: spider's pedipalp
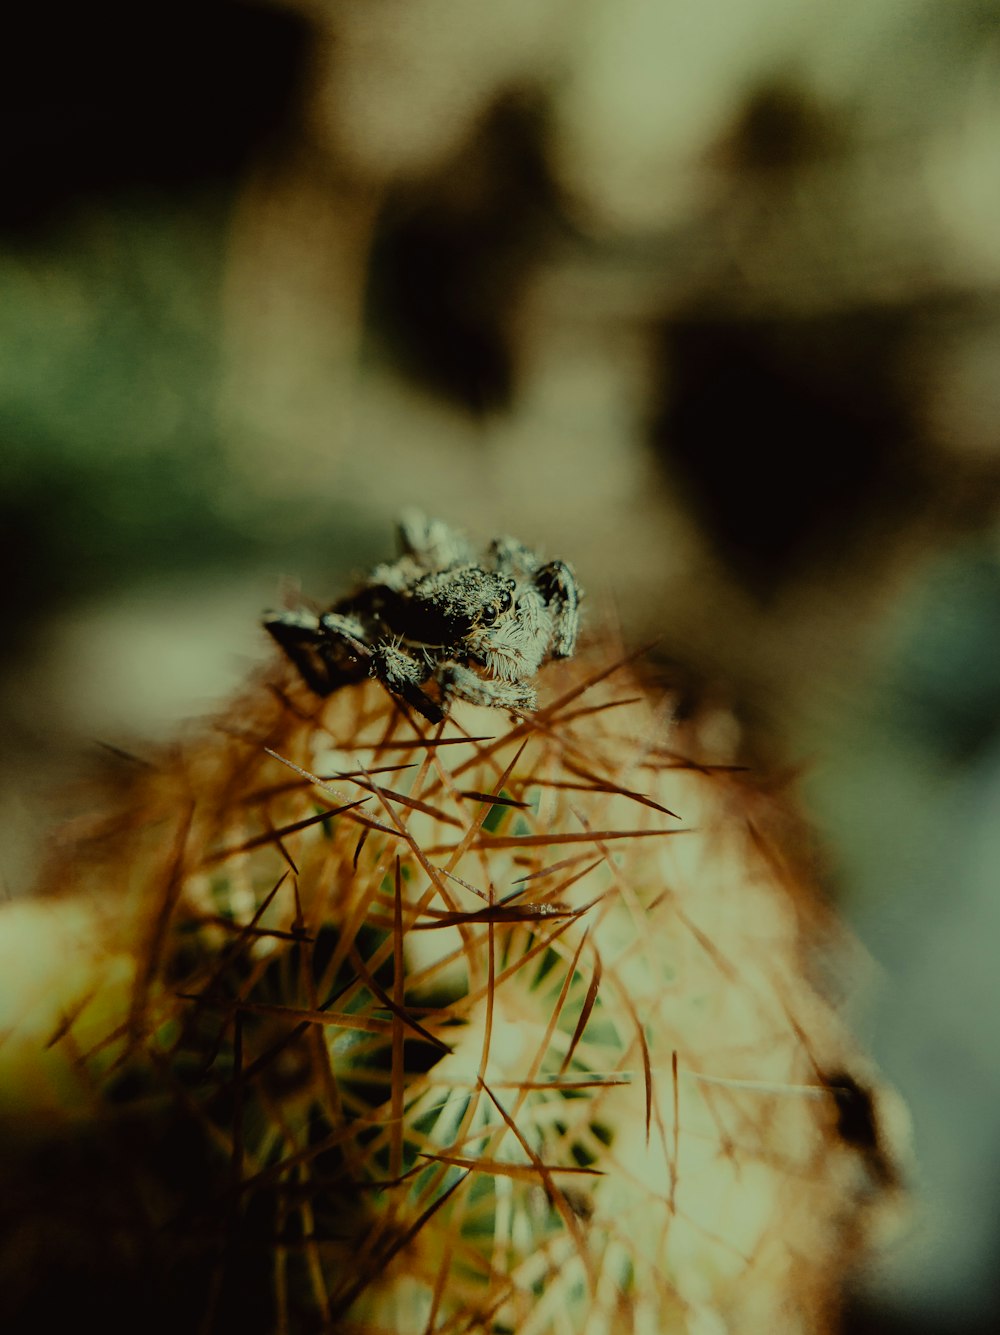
x=403 y=675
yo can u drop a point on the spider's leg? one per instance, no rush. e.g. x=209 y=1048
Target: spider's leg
x=460 y=681
x=327 y=650
x=403 y=675
x=510 y=557
x=433 y=544
x=557 y=585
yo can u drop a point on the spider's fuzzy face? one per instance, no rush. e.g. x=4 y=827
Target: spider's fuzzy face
x=514 y=646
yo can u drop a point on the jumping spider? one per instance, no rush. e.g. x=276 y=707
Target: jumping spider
x=480 y=629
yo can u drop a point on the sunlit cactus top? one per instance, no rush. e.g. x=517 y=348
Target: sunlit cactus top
x=496 y=1024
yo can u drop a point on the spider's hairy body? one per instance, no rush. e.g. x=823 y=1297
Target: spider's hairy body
x=478 y=627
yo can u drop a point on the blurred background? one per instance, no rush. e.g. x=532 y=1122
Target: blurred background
x=704 y=298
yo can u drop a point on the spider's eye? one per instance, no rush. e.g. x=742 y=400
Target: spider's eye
x=489 y=615
x=505 y=600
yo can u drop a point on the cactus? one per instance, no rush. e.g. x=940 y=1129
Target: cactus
x=504 y=1024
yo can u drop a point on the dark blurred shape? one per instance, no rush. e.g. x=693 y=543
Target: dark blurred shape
x=864 y=1316
x=788 y=435
x=79 y=1212
x=96 y=98
x=451 y=255
x=858 y=1126
x=781 y=129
